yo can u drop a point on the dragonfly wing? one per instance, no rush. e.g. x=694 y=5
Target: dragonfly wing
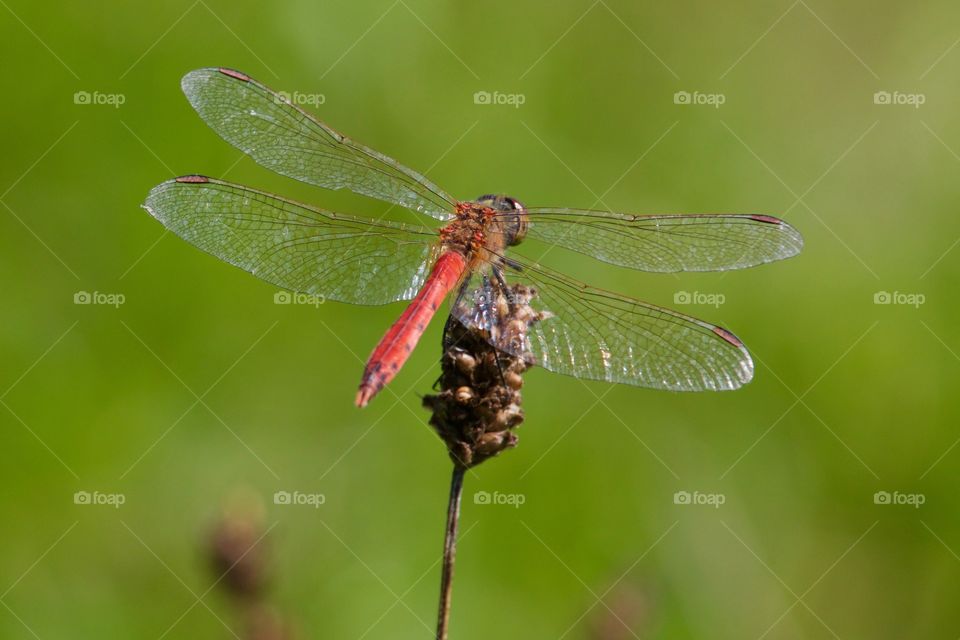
x=280 y=136
x=296 y=246
x=590 y=333
x=668 y=243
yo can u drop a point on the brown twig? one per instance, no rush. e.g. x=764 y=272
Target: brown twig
x=450 y=549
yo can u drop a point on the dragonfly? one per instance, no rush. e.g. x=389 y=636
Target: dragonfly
x=583 y=331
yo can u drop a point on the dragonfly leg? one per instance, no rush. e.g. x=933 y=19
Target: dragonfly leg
x=504 y=291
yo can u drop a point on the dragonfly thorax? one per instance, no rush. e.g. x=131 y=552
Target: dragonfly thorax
x=513 y=216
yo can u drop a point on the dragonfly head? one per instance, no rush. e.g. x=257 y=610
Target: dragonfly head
x=515 y=221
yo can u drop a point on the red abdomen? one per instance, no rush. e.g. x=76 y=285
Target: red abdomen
x=395 y=346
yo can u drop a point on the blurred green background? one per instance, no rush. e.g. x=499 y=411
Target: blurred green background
x=198 y=386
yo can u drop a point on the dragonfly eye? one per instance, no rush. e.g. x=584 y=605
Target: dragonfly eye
x=514 y=226
x=501 y=203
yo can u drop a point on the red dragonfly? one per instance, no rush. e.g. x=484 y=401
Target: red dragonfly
x=585 y=332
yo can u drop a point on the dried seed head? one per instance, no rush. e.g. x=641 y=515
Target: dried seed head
x=478 y=405
x=234 y=555
x=238 y=554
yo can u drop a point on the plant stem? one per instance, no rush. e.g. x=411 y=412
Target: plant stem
x=450 y=549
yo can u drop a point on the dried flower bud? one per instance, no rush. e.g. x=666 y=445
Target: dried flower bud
x=465 y=363
x=490 y=444
x=509 y=417
x=517 y=327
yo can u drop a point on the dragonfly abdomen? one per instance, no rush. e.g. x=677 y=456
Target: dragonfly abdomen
x=397 y=344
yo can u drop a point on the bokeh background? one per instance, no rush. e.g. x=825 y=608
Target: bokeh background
x=198 y=389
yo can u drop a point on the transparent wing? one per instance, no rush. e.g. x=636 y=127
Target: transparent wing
x=668 y=243
x=296 y=246
x=280 y=136
x=589 y=333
